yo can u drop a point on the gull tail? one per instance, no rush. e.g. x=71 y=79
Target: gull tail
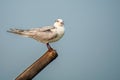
x=21 y=32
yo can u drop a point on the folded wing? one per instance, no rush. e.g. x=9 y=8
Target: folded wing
x=43 y=34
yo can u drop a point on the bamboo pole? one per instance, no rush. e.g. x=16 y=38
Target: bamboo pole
x=38 y=65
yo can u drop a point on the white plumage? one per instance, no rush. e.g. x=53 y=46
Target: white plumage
x=47 y=34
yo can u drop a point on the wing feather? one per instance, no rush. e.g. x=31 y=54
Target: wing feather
x=44 y=34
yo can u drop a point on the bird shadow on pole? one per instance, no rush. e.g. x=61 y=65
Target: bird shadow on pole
x=38 y=65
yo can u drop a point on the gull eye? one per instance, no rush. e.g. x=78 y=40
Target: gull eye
x=62 y=23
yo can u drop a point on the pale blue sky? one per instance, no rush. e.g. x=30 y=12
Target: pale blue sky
x=89 y=50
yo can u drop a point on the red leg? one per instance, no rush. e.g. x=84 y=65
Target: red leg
x=48 y=46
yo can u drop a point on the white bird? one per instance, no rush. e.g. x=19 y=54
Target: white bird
x=47 y=34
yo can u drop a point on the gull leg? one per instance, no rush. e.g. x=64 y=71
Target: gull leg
x=49 y=47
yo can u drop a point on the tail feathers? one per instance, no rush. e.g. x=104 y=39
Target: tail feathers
x=21 y=32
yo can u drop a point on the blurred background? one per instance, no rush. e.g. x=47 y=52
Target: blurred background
x=89 y=50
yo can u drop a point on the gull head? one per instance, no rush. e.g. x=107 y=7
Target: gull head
x=59 y=23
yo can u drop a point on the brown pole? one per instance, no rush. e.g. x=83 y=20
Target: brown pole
x=38 y=65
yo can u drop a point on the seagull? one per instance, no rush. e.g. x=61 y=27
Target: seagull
x=46 y=34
